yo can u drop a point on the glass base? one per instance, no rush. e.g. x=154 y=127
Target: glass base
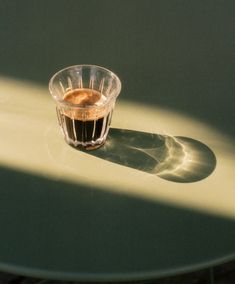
x=85 y=146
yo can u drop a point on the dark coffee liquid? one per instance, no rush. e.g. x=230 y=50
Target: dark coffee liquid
x=86 y=131
x=82 y=131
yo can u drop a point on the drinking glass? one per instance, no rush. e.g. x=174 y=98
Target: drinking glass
x=86 y=118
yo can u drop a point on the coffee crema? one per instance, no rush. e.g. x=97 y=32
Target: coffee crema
x=88 y=119
x=87 y=104
x=83 y=97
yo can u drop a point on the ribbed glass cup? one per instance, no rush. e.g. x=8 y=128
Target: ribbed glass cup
x=85 y=125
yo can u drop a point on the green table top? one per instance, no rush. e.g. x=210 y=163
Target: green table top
x=144 y=205
x=158 y=198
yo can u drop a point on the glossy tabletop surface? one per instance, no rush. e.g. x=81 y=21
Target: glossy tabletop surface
x=158 y=198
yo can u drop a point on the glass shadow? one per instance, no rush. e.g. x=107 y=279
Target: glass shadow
x=177 y=159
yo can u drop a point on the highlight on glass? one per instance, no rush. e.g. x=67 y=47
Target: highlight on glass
x=85 y=97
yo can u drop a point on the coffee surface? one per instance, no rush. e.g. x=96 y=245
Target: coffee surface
x=83 y=97
x=88 y=104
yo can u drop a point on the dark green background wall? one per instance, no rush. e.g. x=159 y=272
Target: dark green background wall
x=177 y=54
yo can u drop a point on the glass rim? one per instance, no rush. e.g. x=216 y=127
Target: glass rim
x=71 y=105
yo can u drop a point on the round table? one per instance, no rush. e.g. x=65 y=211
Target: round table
x=156 y=200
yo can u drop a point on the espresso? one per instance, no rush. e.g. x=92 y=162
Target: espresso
x=87 y=125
